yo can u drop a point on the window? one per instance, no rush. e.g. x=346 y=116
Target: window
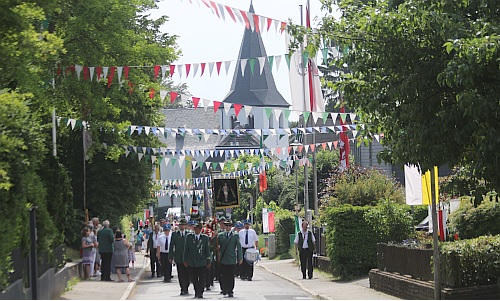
x=271 y=121
x=233 y=121
x=282 y=121
x=251 y=121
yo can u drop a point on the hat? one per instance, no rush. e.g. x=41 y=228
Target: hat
x=238 y=225
x=228 y=222
x=247 y=221
x=183 y=221
x=166 y=227
x=196 y=224
x=221 y=219
x=191 y=222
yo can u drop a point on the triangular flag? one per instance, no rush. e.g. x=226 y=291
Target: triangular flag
x=245 y=18
x=227 y=107
x=163 y=94
x=231 y=14
x=216 y=105
x=227 y=64
x=287 y=58
x=196 y=100
x=278 y=62
x=120 y=72
x=188 y=68
x=248 y=109
x=237 y=108
x=179 y=69
x=243 y=64
x=221 y=9
x=111 y=76
x=256 y=23
x=202 y=68
x=219 y=64
x=78 y=70
x=156 y=70
x=271 y=60
x=262 y=61
x=164 y=71
x=195 y=69
x=173 y=96
x=269 y=22
x=172 y=70
x=206 y=102
x=252 y=64
x=210 y=67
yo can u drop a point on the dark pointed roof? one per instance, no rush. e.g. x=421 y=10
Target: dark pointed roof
x=257 y=89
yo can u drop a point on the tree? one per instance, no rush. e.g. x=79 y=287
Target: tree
x=124 y=36
x=425 y=74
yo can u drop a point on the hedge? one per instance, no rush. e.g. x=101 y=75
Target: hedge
x=471 y=262
x=284 y=227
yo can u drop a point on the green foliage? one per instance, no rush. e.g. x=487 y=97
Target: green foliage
x=420 y=98
x=472 y=262
x=284 y=227
x=391 y=221
x=351 y=242
x=472 y=222
x=360 y=186
x=419 y=213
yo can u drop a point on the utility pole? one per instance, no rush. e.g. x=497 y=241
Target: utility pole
x=436 y=261
x=303 y=70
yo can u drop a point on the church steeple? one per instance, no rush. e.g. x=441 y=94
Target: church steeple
x=254 y=89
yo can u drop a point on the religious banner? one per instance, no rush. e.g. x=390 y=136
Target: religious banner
x=226 y=194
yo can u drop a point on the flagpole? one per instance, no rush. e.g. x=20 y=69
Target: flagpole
x=306 y=180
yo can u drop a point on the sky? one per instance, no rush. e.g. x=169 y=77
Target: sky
x=203 y=37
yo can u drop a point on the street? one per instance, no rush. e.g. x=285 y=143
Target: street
x=265 y=286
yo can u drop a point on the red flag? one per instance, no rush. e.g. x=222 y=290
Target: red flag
x=151 y=93
x=85 y=73
x=196 y=100
x=203 y=68
x=126 y=70
x=256 y=23
x=237 y=108
x=111 y=76
x=270 y=221
x=218 y=67
x=172 y=70
x=188 y=68
x=216 y=105
x=247 y=22
x=344 y=146
x=262 y=180
x=173 y=96
x=230 y=11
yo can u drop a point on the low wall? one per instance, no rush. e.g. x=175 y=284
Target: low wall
x=405 y=287
x=322 y=263
x=50 y=285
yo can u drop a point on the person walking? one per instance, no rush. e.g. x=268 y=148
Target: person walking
x=248 y=239
x=87 y=245
x=105 y=239
x=151 y=250
x=230 y=255
x=197 y=258
x=121 y=246
x=162 y=253
x=176 y=254
x=304 y=242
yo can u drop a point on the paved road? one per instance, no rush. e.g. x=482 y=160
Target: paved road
x=265 y=286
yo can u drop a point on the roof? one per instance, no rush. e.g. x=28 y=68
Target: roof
x=254 y=89
x=243 y=141
x=192 y=119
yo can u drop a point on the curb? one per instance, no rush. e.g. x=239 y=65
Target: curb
x=132 y=285
x=302 y=287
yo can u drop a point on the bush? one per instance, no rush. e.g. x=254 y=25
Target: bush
x=473 y=222
x=351 y=241
x=284 y=227
x=352 y=234
x=472 y=262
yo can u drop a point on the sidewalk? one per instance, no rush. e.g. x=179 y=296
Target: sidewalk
x=322 y=285
x=95 y=289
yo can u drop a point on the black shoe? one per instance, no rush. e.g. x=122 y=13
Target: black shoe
x=207 y=288
x=303 y=276
x=158 y=276
x=310 y=277
x=230 y=295
x=153 y=275
x=200 y=297
x=249 y=279
x=166 y=280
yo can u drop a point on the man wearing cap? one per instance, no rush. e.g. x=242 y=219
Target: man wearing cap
x=229 y=248
x=162 y=249
x=176 y=254
x=197 y=258
x=248 y=239
x=237 y=228
x=218 y=271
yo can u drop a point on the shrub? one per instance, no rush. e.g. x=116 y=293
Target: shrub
x=391 y=222
x=471 y=262
x=473 y=222
x=284 y=227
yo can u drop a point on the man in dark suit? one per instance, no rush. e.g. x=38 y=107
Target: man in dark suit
x=197 y=258
x=151 y=250
x=106 y=238
x=230 y=255
x=176 y=254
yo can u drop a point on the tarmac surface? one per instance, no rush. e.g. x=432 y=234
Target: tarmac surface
x=322 y=286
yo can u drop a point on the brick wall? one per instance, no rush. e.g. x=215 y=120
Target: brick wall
x=405 y=287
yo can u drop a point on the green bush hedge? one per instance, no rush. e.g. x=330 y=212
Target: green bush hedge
x=473 y=222
x=284 y=227
x=472 y=262
x=353 y=232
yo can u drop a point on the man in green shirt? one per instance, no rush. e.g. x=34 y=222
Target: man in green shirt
x=197 y=258
x=230 y=253
x=176 y=254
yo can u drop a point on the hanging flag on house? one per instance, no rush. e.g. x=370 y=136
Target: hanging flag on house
x=344 y=145
x=298 y=222
x=418 y=186
x=305 y=85
x=268 y=221
x=262 y=179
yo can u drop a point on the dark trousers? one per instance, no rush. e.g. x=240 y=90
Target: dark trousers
x=228 y=278
x=183 y=274
x=106 y=266
x=306 y=262
x=218 y=275
x=155 y=263
x=209 y=276
x=198 y=279
x=166 y=267
x=246 y=269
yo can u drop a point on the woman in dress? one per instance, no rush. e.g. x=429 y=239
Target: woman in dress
x=120 y=255
x=87 y=255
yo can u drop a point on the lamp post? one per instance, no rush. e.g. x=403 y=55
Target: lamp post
x=294 y=145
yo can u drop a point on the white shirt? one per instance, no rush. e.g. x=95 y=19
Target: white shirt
x=304 y=236
x=156 y=236
x=252 y=238
x=161 y=242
